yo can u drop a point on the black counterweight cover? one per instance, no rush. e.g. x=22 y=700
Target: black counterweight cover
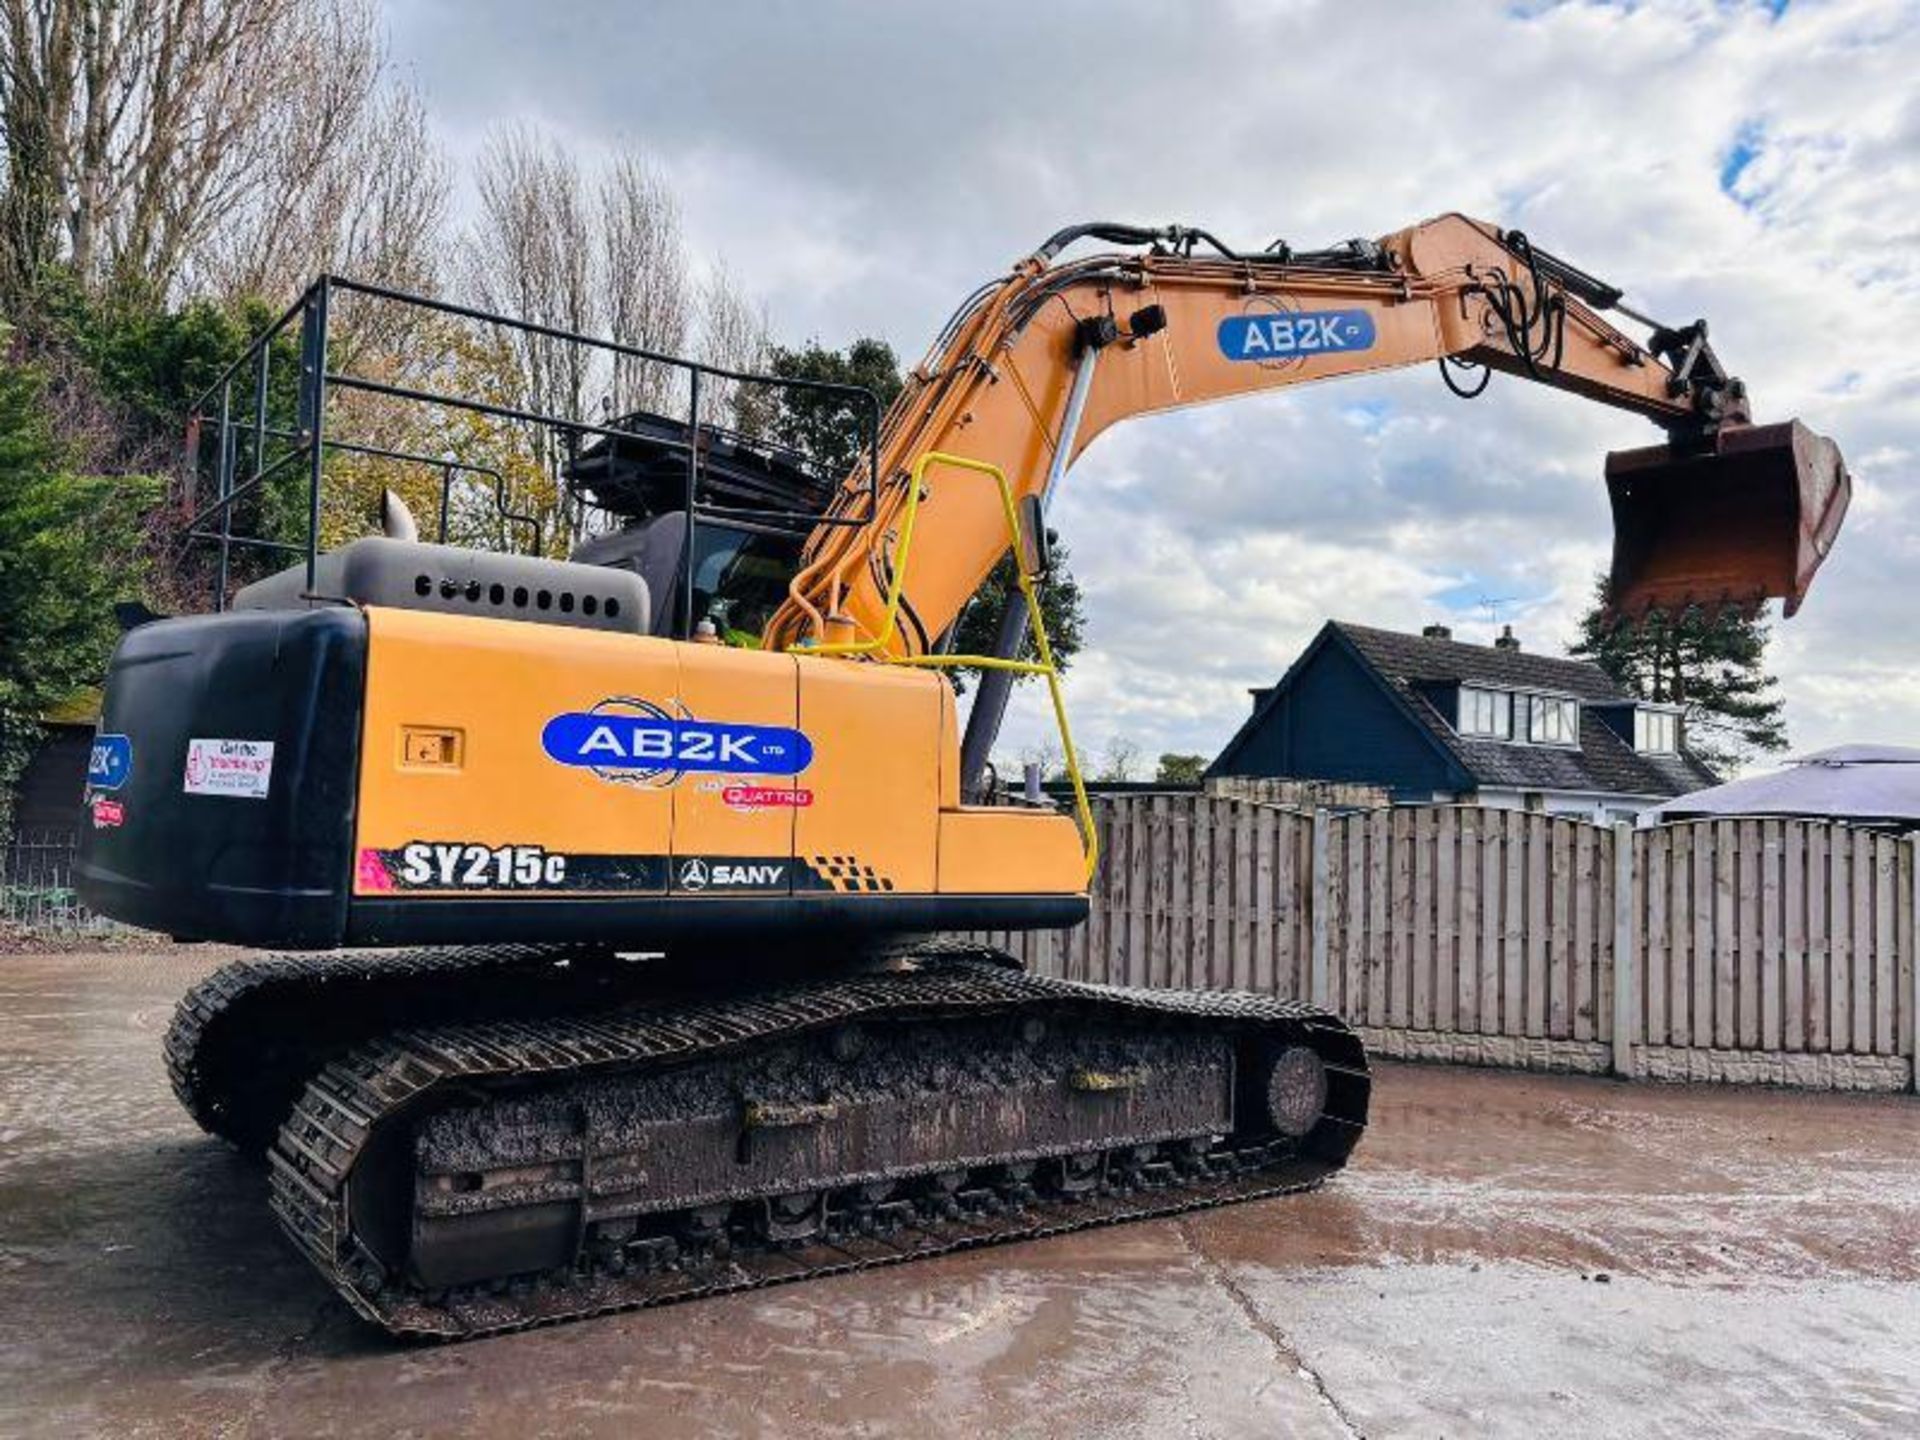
x=197 y=828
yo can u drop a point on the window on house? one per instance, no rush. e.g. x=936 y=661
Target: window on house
x=1486 y=712
x=1553 y=721
x=1656 y=731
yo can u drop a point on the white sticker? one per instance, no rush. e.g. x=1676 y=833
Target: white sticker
x=230 y=767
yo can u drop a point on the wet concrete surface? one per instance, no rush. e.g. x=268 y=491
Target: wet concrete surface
x=1509 y=1255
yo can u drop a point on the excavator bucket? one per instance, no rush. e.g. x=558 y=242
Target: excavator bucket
x=1748 y=519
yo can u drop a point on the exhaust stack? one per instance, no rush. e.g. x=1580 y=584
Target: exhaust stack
x=1746 y=519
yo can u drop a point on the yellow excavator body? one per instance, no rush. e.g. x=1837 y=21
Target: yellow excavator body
x=592 y=766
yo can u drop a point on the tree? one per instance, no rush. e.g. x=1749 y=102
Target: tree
x=1119 y=761
x=363 y=196
x=138 y=137
x=830 y=430
x=1177 y=769
x=68 y=551
x=644 y=271
x=598 y=254
x=1711 y=665
x=833 y=430
x=734 y=335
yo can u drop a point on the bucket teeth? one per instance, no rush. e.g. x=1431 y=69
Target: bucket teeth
x=1736 y=522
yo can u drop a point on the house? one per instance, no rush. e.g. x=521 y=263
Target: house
x=1431 y=718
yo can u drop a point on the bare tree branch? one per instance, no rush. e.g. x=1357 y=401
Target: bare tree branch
x=207 y=144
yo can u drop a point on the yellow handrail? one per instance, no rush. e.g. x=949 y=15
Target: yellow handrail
x=1043 y=666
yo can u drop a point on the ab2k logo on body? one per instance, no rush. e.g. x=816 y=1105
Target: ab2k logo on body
x=636 y=741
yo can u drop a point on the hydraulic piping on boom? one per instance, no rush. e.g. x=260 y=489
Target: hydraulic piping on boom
x=1036 y=366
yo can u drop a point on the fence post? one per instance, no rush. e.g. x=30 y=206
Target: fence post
x=1626 y=992
x=1913 y=971
x=1320 y=905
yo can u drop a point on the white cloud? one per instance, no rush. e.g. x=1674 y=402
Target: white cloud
x=864 y=165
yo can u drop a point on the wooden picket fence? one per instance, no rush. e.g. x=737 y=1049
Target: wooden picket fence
x=1775 y=950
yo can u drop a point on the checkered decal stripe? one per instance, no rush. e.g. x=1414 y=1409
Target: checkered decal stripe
x=844 y=872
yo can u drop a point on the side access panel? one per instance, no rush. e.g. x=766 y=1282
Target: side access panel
x=528 y=783
x=874 y=825
x=993 y=850
x=461 y=793
x=733 y=827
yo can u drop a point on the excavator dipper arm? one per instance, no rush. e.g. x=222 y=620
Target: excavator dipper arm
x=1724 y=513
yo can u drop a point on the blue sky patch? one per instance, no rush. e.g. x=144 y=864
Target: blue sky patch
x=1742 y=153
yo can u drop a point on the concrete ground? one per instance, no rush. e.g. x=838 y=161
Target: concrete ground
x=1509 y=1255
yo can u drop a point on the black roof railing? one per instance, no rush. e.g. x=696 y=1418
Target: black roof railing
x=251 y=437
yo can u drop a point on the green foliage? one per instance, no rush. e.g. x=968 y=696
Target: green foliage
x=153 y=361
x=832 y=430
x=1177 y=769
x=144 y=367
x=68 y=551
x=1712 y=666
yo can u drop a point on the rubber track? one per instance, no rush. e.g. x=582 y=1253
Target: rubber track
x=322 y=1139
x=220 y=1049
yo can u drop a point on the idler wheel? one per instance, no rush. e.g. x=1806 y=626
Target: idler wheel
x=1296 y=1091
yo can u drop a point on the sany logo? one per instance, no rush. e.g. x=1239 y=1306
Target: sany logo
x=636 y=742
x=697 y=874
x=1294 y=334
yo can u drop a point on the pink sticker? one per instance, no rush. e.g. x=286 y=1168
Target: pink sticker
x=373 y=873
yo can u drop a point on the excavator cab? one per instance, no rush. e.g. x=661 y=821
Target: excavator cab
x=1746 y=517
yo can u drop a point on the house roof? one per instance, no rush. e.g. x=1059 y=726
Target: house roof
x=81 y=708
x=1412 y=666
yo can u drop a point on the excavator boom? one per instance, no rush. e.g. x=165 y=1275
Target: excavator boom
x=1724 y=512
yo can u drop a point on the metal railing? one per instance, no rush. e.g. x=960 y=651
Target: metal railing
x=36 y=885
x=1041 y=664
x=237 y=405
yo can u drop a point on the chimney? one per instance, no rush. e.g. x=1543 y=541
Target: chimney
x=1507 y=640
x=1436 y=632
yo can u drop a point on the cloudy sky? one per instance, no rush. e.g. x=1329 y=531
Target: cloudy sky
x=862 y=166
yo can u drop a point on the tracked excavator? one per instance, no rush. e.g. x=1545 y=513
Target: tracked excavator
x=610 y=886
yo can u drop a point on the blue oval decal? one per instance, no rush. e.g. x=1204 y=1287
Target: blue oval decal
x=612 y=740
x=1295 y=334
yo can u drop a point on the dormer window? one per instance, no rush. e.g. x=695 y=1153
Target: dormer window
x=1517 y=716
x=1552 y=720
x=1656 y=732
x=1486 y=713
